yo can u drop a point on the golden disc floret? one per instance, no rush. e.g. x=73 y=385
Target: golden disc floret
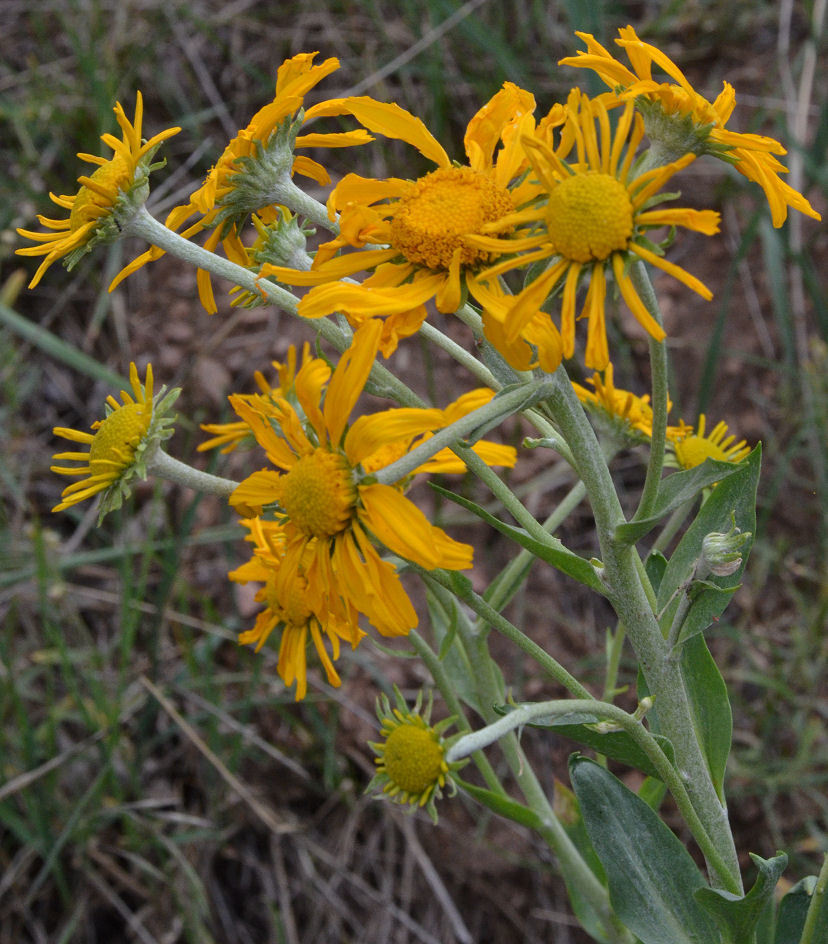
x=117 y=437
x=318 y=494
x=414 y=760
x=589 y=216
x=432 y=219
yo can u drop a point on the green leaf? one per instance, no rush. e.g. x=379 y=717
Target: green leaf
x=453 y=658
x=738 y=917
x=735 y=496
x=673 y=492
x=793 y=910
x=615 y=744
x=710 y=707
x=655 y=565
x=502 y=805
x=650 y=874
x=553 y=552
x=566 y=806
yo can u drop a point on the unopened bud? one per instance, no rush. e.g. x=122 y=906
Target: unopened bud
x=721 y=552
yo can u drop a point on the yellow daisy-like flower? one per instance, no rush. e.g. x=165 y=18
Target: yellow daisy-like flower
x=250 y=174
x=230 y=435
x=295 y=606
x=692 y=448
x=322 y=497
x=93 y=210
x=119 y=445
x=411 y=758
x=423 y=225
x=623 y=411
x=594 y=220
x=751 y=154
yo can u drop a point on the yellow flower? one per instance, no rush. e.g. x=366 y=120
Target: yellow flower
x=594 y=220
x=751 y=154
x=294 y=605
x=93 y=210
x=255 y=167
x=324 y=501
x=411 y=759
x=231 y=435
x=625 y=412
x=119 y=445
x=423 y=225
x=692 y=448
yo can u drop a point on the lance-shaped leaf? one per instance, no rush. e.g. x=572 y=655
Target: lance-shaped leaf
x=673 y=492
x=793 y=912
x=651 y=877
x=550 y=550
x=737 y=917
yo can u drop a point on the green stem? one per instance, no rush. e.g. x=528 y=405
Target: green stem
x=455 y=706
x=498 y=622
x=498 y=408
x=572 y=864
x=816 y=909
x=513 y=573
x=166 y=467
x=317 y=213
x=627 y=593
x=460 y=354
x=674 y=523
x=616 y=647
x=658 y=367
x=527 y=713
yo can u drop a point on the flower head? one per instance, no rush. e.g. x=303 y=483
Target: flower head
x=107 y=197
x=677 y=115
x=229 y=436
x=625 y=414
x=594 y=220
x=256 y=168
x=294 y=605
x=423 y=227
x=691 y=447
x=411 y=758
x=327 y=504
x=119 y=446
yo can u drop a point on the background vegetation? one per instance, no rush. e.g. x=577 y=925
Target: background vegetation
x=156 y=782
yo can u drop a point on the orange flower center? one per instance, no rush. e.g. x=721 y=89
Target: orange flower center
x=117 y=437
x=413 y=759
x=589 y=216
x=90 y=205
x=318 y=494
x=440 y=209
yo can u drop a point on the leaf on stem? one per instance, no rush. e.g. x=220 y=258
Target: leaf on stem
x=651 y=877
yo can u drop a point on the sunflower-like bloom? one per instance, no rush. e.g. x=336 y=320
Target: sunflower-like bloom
x=691 y=447
x=118 y=185
x=327 y=507
x=230 y=435
x=256 y=168
x=701 y=124
x=294 y=605
x=411 y=760
x=594 y=220
x=422 y=226
x=119 y=445
x=621 y=411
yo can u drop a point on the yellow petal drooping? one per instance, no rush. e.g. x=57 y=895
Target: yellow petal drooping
x=589 y=216
x=440 y=209
x=318 y=494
